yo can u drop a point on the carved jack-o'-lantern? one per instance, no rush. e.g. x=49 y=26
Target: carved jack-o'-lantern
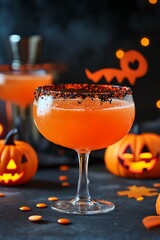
x=135 y=156
x=18 y=161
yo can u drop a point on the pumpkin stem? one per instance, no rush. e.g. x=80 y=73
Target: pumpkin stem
x=9 y=140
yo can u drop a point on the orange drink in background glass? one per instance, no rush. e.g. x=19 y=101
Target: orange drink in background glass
x=83 y=117
x=17 y=90
x=12 y=85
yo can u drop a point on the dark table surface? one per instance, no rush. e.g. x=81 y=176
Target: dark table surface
x=125 y=222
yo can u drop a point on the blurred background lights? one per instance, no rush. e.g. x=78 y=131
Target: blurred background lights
x=145 y=41
x=119 y=53
x=158 y=104
x=152 y=1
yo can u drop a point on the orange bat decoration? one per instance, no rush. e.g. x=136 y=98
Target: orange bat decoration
x=130 y=57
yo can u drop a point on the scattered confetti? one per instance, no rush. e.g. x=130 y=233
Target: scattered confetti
x=35 y=218
x=151 y=221
x=41 y=205
x=136 y=192
x=52 y=198
x=63 y=168
x=63 y=221
x=25 y=208
x=63 y=178
x=140 y=198
x=156 y=184
x=65 y=184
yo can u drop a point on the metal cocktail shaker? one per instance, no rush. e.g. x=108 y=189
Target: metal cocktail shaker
x=25 y=50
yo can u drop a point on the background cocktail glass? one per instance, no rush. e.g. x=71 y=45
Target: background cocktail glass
x=17 y=90
x=84 y=118
x=23 y=72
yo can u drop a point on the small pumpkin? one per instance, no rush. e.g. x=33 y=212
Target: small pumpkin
x=18 y=160
x=135 y=156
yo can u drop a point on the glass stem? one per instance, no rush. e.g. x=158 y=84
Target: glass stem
x=83 y=182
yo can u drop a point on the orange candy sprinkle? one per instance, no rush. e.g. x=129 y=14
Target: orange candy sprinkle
x=65 y=184
x=35 y=218
x=52 y=198
x=63 y=168
x=156 y=184
x=25 y=208
x=140 y=198
x=63 y=178
x=2 y=195
x=41 y=205
x=64 y=221
x=151 y=221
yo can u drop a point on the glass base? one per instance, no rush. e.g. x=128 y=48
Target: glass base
x=83 y=207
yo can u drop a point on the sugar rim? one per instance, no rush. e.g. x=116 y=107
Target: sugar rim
x=104 y=92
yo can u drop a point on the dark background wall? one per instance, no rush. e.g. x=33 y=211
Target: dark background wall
x=86 y=34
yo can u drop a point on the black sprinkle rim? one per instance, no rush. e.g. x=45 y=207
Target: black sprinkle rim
x=82 y=91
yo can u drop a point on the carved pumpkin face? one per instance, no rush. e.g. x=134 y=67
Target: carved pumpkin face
x=18 y=161
x=135 y=156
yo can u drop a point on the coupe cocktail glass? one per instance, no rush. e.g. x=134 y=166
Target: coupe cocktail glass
x=83 y=117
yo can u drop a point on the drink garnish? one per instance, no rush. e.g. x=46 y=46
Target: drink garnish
x=82 y=91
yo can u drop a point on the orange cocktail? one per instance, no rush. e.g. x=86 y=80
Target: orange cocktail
x=83 y=117
x=84 y=126
x=18 y=87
